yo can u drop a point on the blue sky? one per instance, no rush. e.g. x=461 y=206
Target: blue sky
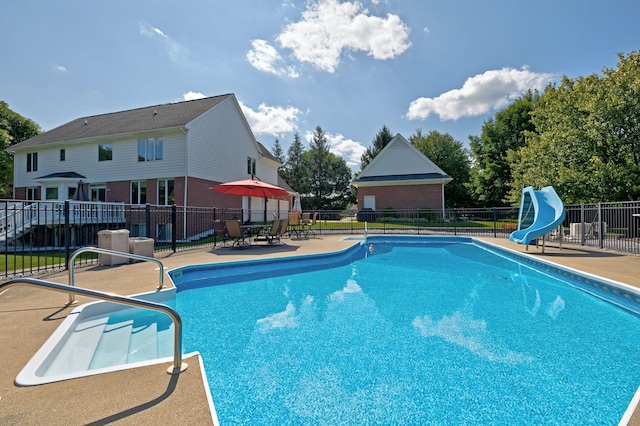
x=348 y=66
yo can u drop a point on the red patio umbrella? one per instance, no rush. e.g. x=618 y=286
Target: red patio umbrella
x=251 y=188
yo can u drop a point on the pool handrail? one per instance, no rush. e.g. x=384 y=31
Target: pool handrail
x=177 y=367
x=92 y=249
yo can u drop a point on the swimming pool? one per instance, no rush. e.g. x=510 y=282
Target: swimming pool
x=411 y=330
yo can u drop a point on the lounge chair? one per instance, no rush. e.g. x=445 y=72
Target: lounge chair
x=267 y=234
x=283 y=230
x=235 y=232
x=276 y=232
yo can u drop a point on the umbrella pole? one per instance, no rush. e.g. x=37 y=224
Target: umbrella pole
x=266 y=200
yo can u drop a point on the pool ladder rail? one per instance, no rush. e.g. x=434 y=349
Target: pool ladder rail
x=176 y=368
x=72 y=258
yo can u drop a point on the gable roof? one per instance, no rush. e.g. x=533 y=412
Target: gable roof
x=154 y=117
x=400 y=163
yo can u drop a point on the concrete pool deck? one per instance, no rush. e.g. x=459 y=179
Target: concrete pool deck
x=148 y=395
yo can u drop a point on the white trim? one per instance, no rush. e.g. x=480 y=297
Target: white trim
x=401 y=182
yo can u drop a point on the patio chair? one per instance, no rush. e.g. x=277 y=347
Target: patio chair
x=308 y=223
x=234 y=231
x=267 y=234
x=294 y=224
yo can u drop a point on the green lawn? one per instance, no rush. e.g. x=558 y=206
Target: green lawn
x=408 y=223
x=13 y=262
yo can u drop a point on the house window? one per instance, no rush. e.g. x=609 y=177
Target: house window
x=51 y=193
x=62 y=155
x=71 y=192
x=105 y=152
x=139 y=192
x=32 y=193
x=150 y=149
x=251 y=166
x=99 y=193
x=32 y=162
x=165 y=191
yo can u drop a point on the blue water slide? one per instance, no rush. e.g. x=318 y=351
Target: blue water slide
x=540 y=212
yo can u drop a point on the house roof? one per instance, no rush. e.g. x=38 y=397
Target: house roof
x=267 y=153
x=122 y=122
x=63 y=175
x=400 y=163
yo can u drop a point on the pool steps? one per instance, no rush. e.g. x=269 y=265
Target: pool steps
x=94 y=343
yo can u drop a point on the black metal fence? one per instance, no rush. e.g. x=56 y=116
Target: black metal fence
x=39 y=236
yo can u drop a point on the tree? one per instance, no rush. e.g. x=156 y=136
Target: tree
x=293 y=171
x=491 y=177
x=382 y=139
x=13 y=129
x=451 y=156
x=278 y=152
x=329 y=179
x=586 y=140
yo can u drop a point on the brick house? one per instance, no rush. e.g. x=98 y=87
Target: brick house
x=400 y=177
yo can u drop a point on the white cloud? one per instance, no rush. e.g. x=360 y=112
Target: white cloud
x=265 y=57
x=271 y=120
x=480 y=94
x=348 y=149
x=176 y=52
x=190 y=96
x=328 y=27
x=60 y=68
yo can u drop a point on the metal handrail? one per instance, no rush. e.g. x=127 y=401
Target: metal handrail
x=73 y=256
x=178 y=365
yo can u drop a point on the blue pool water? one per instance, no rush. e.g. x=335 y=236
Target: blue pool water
x=437 y=333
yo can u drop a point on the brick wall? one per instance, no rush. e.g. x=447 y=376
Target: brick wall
x=402 y=197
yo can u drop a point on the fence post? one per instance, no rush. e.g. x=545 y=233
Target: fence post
x=581 y=224
x=147 y=219
x=455 y=222
x=67 y=235
x=495 y=222
x=215 y=237
x=600 y=226
x=174 y=221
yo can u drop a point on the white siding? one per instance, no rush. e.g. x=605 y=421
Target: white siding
x=400 y=158
x=83 y=159
x=219 y=144
x=267 y=172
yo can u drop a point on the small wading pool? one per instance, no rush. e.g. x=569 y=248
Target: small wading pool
x=411 y=330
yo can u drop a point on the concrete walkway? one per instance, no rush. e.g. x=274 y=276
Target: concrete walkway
x=148 y=395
